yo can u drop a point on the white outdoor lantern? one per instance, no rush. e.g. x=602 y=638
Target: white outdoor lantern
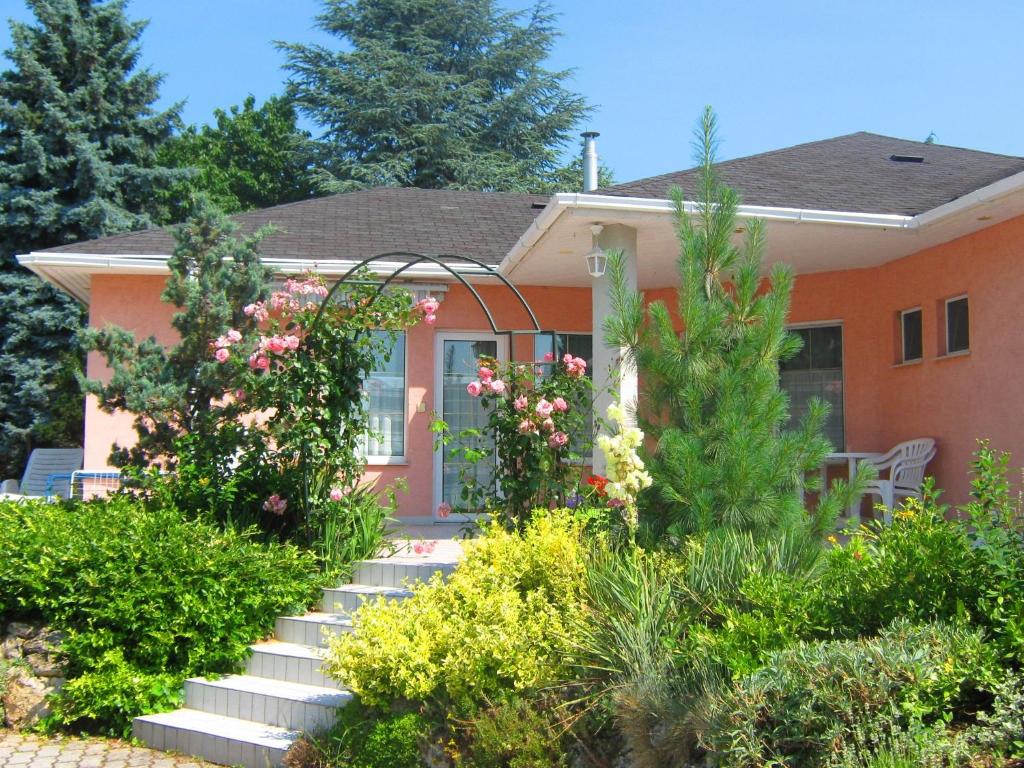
x=597 y=259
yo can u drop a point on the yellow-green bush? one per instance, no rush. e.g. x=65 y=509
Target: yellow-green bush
x=495 y=626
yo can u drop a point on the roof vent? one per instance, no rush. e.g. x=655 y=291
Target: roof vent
x=906 y=158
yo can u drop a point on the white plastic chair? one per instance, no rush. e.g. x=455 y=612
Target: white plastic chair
x=906 y=463
x=42 y=463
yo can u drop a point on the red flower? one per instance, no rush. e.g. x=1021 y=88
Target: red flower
x=597 y=482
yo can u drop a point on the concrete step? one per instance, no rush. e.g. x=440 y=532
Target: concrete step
x=261 y=700
x=314 y=629
x=399 y=571
x=290 y=662
x=219 y=739
x=348 y=597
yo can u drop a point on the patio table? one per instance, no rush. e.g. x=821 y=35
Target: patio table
x=852 y=460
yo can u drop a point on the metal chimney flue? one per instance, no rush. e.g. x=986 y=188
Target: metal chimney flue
x=590 y=160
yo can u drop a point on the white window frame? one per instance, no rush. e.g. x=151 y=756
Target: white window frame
x=903 y=337
x=842 y=335
x=383 y=461
x=945 y=320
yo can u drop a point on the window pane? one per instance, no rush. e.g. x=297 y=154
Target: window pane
x=957 y=326
x=913 y=340
x=817 y=372
x=577 y=345
x=385 y=392
x=827 y=347
x=462 y=412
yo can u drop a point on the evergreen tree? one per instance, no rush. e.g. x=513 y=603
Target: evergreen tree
x=253 y=157
x=173 y=391
x=435 y=93
x=725 y=458
x=78 y=138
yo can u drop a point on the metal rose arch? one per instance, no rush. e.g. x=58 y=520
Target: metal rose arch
x=442 y=261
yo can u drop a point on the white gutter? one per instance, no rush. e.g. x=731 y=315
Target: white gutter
x=978 y=197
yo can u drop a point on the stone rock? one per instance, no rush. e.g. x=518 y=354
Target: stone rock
x=11 y=648
x=20 y=629
x=24 y=701
x=44 y=641
x=45 y=664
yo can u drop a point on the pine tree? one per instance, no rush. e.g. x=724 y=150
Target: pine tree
x=78 y=138
x=252 y=157
x=725 y=458
x=435 y=93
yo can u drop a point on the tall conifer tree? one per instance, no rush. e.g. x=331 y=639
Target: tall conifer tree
x=726 y=458
x=78 y=139
x=436 y=93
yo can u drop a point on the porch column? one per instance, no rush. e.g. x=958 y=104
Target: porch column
x=611 y=381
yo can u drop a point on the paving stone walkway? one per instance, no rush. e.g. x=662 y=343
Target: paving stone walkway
x=17 y=749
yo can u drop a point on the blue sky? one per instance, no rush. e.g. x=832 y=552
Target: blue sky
x=778 y=73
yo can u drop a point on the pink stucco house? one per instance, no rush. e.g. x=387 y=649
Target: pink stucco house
x=909 y=295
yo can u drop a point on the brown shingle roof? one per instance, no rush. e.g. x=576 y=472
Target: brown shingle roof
x=848 y=173
x=483 y=225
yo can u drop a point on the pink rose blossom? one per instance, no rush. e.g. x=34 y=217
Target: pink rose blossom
x=444 y=509
x=336 y=494
x=276 y=344
x=430 y=319
x=558 y=440
x=222 y=341
x=560 y=404
x=498 y=387
x=222 y=355
x=240 y=395
x=429 y=305
x=548 y=425
x=544 y=408
x=249 y=310
x=549 y=357
x=567 y=358
x=520 y=403
x=485 y=373
x=234 y=336
x=474 y=388
x=275 y=505
x=291 y=341
x=258 y=362
x=526 y=427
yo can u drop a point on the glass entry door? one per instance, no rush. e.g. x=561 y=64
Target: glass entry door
x=457 y=357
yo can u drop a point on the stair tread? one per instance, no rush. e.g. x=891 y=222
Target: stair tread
x=317 y=617
x=288 y=649
x=225 y=727
x=311 y=694
x=367 y=589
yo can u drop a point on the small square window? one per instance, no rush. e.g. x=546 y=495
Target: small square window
x=912 y=336
x=958 y=326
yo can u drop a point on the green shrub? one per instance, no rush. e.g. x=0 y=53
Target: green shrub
x=495 y=626
x=142 y=592
x=368 y=738
x=809 y=701
x=514 y=734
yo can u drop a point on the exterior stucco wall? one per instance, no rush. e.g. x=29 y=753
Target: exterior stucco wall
x=954 y=400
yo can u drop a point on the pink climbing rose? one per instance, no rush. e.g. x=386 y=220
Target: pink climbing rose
x=474 y=388
x=498 y=387
x=560 y=405
x=485 y=373
x=558 y=440
x=526 y=427
x=336 y=494
x=548 y=425
x=275 y=505
x=520 y=403
x=544 y=408
x=444 y=509
x=549 y=357
x=222 y=355
x=234 y=336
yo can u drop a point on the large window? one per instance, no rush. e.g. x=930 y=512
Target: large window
x=817 y=371
x=384 y=390
x=578 y=345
